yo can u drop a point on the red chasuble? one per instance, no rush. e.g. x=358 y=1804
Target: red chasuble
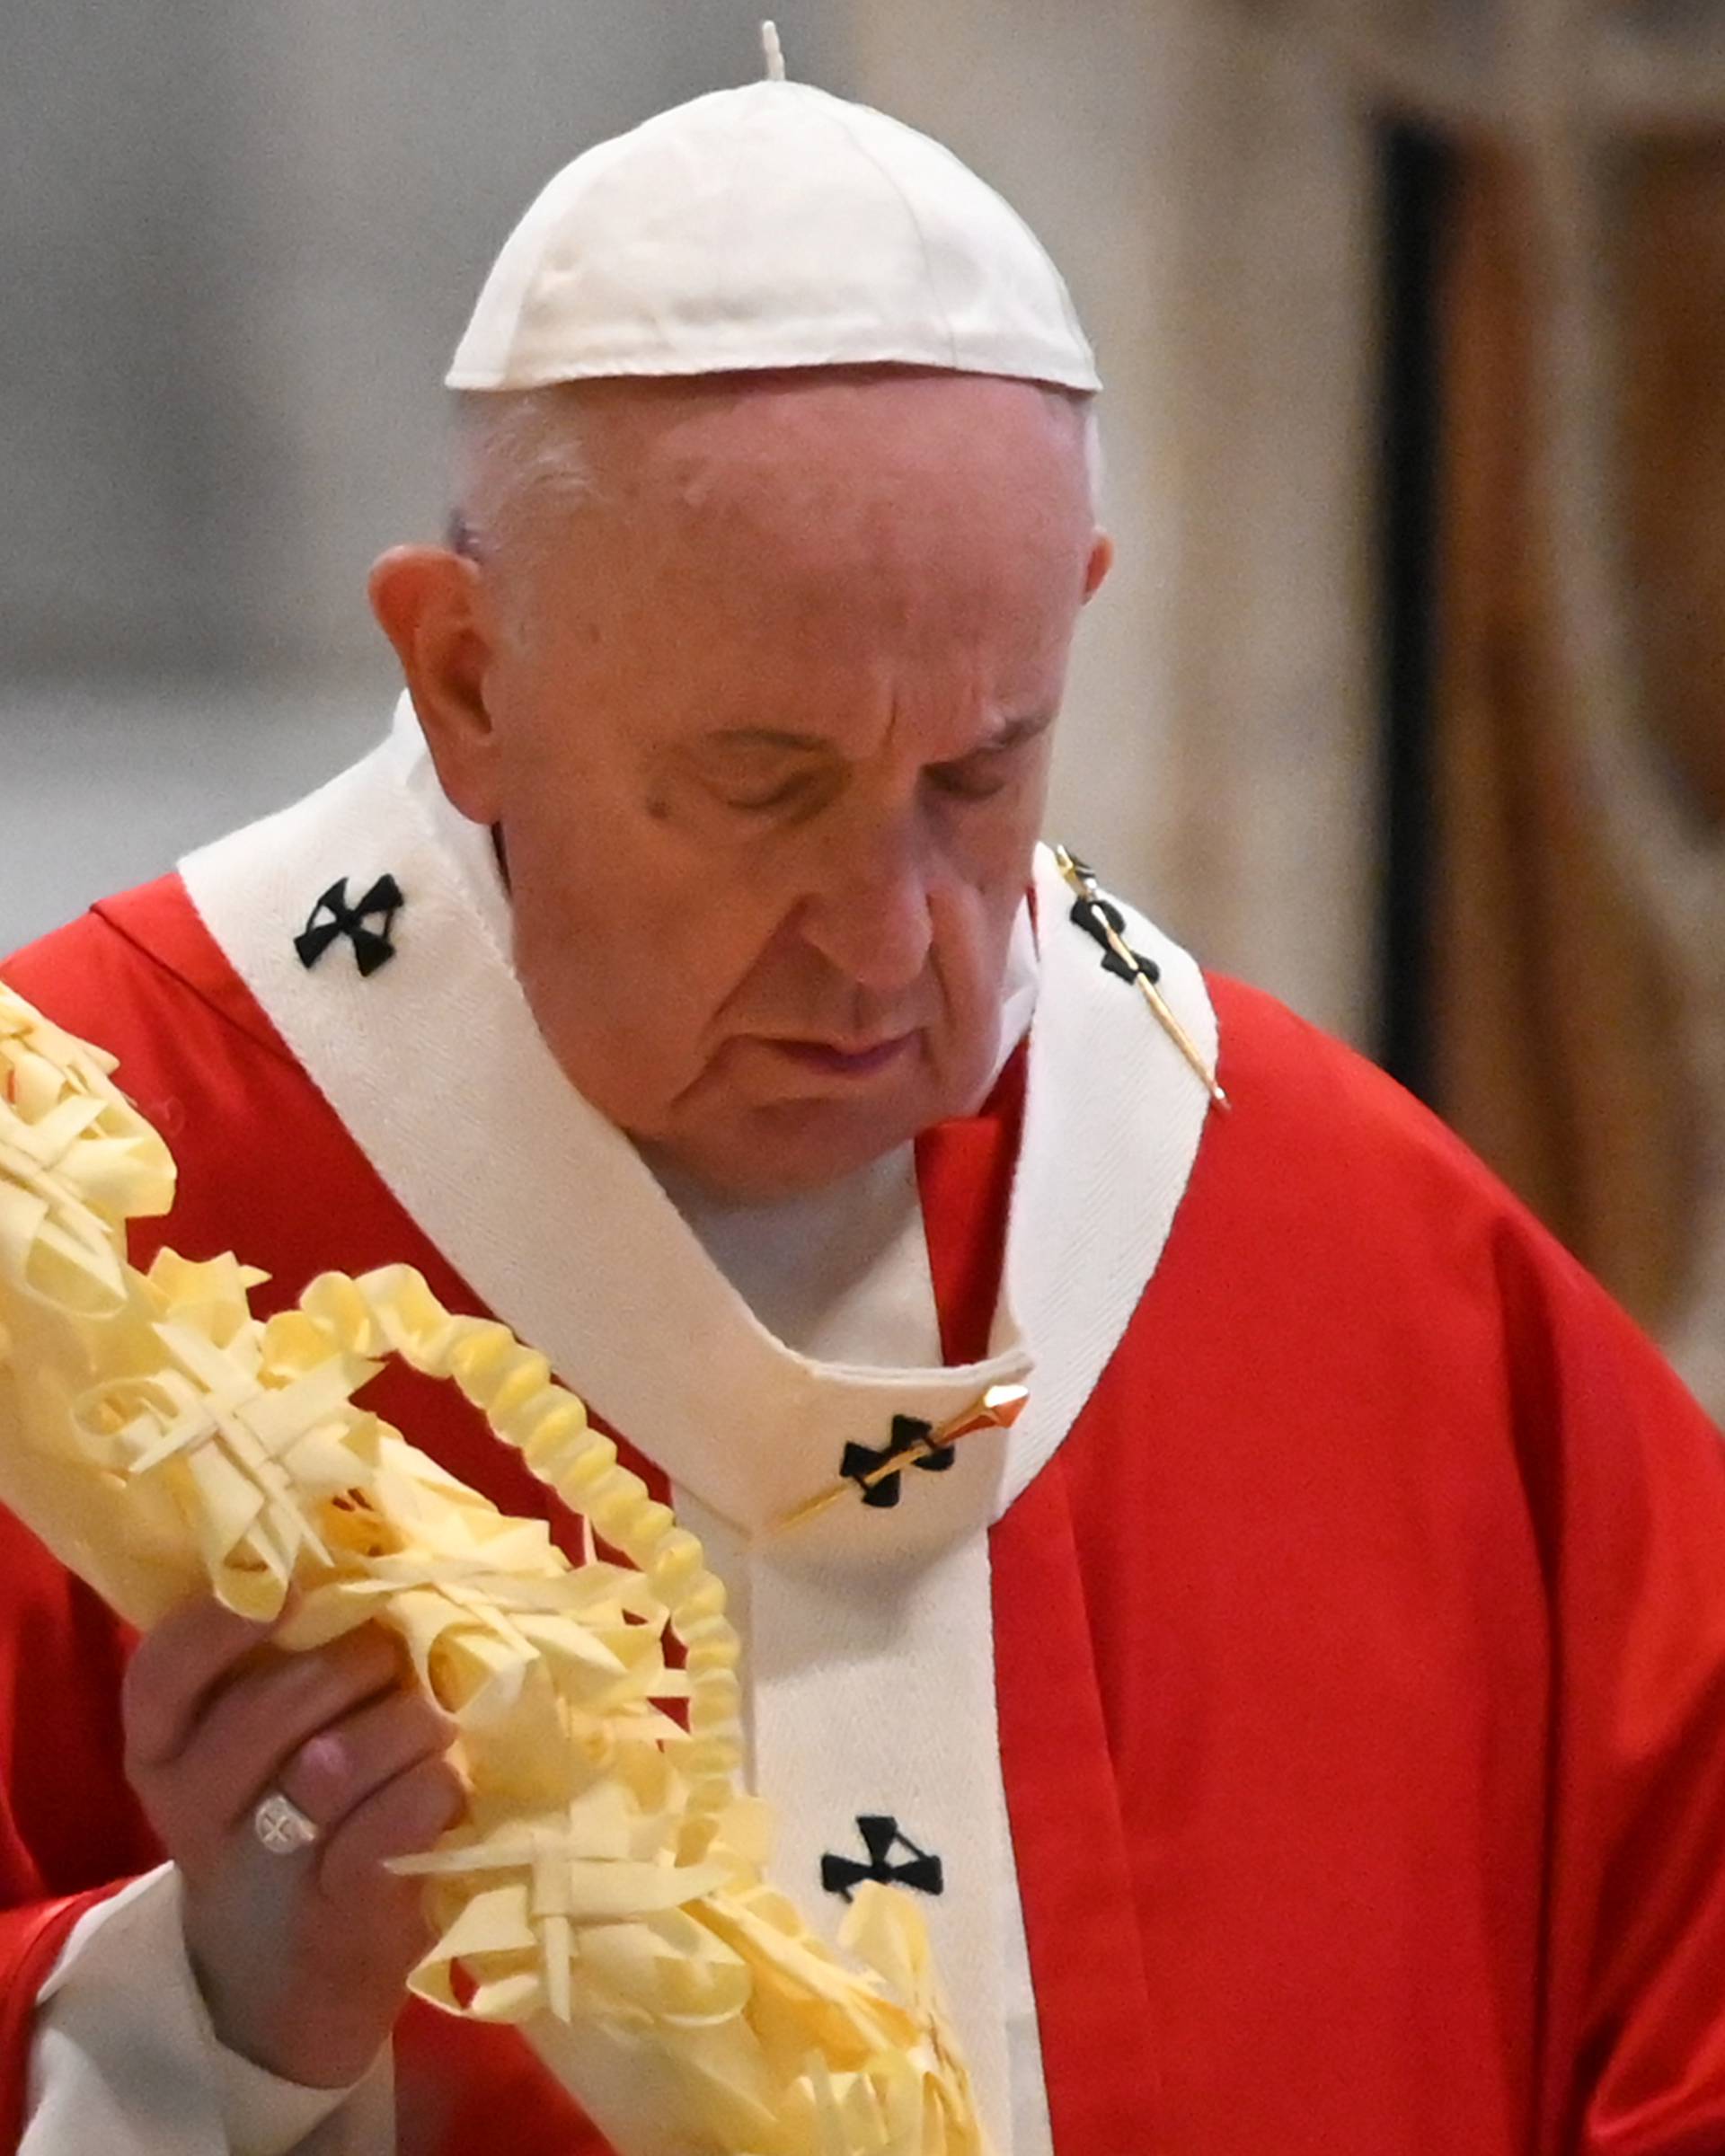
x=1359 y=1653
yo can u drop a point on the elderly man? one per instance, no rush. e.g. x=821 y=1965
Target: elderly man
x=1303 y=1724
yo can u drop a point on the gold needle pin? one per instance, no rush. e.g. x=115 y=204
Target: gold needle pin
x=998 y=1408
x=1085 y=884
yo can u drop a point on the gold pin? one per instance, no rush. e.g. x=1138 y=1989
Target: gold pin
x=998 y=1408
x=1085 y=884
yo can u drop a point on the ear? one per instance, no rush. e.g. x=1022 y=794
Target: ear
x=1101 y=559
x=433 y=607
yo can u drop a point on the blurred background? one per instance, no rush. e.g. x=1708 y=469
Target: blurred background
x=1406 y=699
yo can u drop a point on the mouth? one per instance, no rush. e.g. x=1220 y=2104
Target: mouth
x=847 y=1059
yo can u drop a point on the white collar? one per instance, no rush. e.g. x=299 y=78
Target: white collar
x=435 y=1065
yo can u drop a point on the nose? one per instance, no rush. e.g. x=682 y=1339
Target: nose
x=869 y=915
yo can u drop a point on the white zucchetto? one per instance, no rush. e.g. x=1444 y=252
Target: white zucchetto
x=769 y=226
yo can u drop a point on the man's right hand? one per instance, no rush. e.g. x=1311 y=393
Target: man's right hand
x=301 y=1958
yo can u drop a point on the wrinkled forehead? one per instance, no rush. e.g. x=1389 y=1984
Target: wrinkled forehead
x=823 y=428
x=829 y=457
x=887 y=494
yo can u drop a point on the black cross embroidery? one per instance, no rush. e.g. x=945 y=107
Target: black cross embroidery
x=1090 y=913
x=910 y=1437
x=333 y=916
x=881 y=1835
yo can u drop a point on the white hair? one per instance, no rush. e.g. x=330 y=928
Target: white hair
x=514 y=450
x=1095 y=457
x=519 y=450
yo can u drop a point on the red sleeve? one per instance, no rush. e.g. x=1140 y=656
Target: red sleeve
x=1626 y=1484
x=31 y=1940
x=1621 y=1488
x=70 y=1829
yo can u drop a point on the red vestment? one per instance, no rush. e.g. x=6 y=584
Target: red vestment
x=1360 y=1653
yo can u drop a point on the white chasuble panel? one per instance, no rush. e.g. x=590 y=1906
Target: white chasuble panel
x=872 y=1731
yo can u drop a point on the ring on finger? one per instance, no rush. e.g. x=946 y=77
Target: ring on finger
x=281 y=1826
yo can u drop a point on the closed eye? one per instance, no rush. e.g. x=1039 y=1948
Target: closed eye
x=800 y=790
x=986 y=770
x=974 y=780
x=778 y=797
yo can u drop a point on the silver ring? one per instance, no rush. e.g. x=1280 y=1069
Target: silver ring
x=281 y=1826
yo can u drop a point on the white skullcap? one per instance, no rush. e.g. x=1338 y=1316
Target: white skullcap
x=770 y=226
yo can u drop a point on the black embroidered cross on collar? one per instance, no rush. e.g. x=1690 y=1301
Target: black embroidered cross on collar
x=1105 y=922
x=910 y=1443
x=1095 y=912
x=366 y=925
x=882 y=1834
x=874 y=1471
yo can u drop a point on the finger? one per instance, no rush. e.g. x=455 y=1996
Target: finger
x=335 y=1770
x=405 y=1816
x=266 y=1713
x=177 y=1667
